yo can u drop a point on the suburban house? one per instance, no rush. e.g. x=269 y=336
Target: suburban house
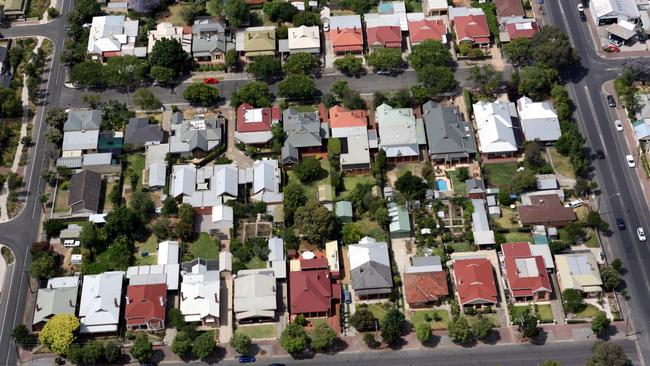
x=471 y=26
x=384 y=30
x=425 y=282
x=545 y=209
x=496 y=136
x=164 y=272
x=101 y=297
x=200 y=291
x=196 y=135
x=182 y=35
x=579 y=271
x=435 y=7
x=333 y=257
x=538 y=120
x=427 y=29
x=303 y=134
x=475 y=188
x=254 y=125
x=266 y=182
x=113 y=35
x=509 y=9
x=400 y=224
x=370 y=269
x=312 y=291
x=346 y=34
x=483 y=235
x=255 y=295
x=139 y=132
x=351 y=128
x=145 y=307
x=546 y=182
x=526 y=275
x=256 y=41
x=204 y=187
x=81 y=132
x=613 y=11
x=518 y=28
x=400 y=133
x=450 y=139
x=154 y=175
x=14 y=9
x=85 y=191
x=277 y=259
x=474 y=280
x=304 y=39
x=59 y=297
x=209 y=41
x=223 y=220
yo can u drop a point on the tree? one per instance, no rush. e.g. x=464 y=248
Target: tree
x=21 y=335
x=301 y=63
x=115 y=114
x=162 y=228
x=237 y=12
x=294 y=197
x=351 y=233
x=255 y=93
x=265 y=67
x=600 y=324
x=380 y=166
x=307 y=18
x=53 y=227
x=322 y=337
x=607 y=354
x=308 y=170
x=349 y=65
x=315 y=222
x=423 y=332
x=182 y=344
x=436 y=79
x=572 y=300
x=241 y=343
x=185 y=226
x=527 y=324
x=93 y=351
x=523 y=181
x=142 y=204
x=75 y=353
x=363 y=320
x=125 y=71
x=10 y=103
x=459 y=330
x=145 y=99
x=518 y=51
x=169 y=53
x=551 y=47
x=482 y=327
x=56 y=117
x=123 y=221
x=385 y=59
x=430 y=53
x=191 y=10
x=536 y=81
x=411 y=186
x=176 y=318
x=162 y=74
x=87 y=74
x=391 y=326
x=297 y=87
x=595 y=221
x=280 y=11
x=573 y=232
x=487 y=78
x=142 y=349
x=58 y=333
x=611 y=278
x=214 y=7
x=294 y=339
x=170 y=207
x=44 y=266
x=201 y=94
x=112 y=351
x=617 y=264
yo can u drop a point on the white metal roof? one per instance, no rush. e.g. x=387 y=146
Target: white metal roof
x=304 y=37
x=494 y=124
x=368 y=250
x=101 y=297
x=168 y=252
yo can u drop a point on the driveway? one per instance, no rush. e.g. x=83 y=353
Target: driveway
x=233 y=153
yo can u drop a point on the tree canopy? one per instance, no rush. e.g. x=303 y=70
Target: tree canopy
x=363 y=320
x=423 y=332
x=241 y=343
x=385 y=59
x=315 y=222
x=572 y=300
x=322 y=337
x=459 y=331
x=204 y=345
x=349 y=65
x=600 y=324
x=391 y=326
x=430 y=53
x=294 y=339
x=201 y=94
x=142 y=349
x=308 y=170
x=301 y=63
x=411 y=186
x=297 y=87
x=169 y=53
x=265 y=67
x=255 y=93
x=59 y=332
x=607 y=354
x=238 y=12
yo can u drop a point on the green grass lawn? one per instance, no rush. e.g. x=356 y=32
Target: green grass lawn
x=459 y=186
x=518 y=311
x=108 y=205
x=418 y=317
x=315 y=321
x=372 y=229
x=205 y=248
x=500 y=174
x=545 y=313
x=61 y=202
x=134 y=165
x=378 y=311
x=304 y=108
x=515 y=236
x=494 y=319
x=352 y=181
x=506 y=214
x=589 y=311
x=462 y=247
x=150 y=246
x=561 y=163
x=311 y=188
x=258 y=331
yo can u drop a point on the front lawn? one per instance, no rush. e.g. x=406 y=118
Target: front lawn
x=151 y=247
x=515 y=237
x=500 y=174
x=421 y=316
x=378 y=310
x=494 y=319
x=517 y=312
x=561 y=163
x=204 y=247
x=545 y=313
x=589 y=311
x=258 y=331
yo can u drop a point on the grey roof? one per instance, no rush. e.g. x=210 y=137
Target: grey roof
x=204 y=45
x=447 y=134
x=475 y=185
x=344 y=209
x=138 y=131
x=177 y=118
x=371 y=278
x=302 y=129
x=52 y=301
x=345 y=21
x=290 y=154
x=72 y=162
x=432 y=260
x=546 y=181
x=79 y=120
x=255 y=294
x=208 y=25
x=198 y=133
x=85 y=188
x=205 y=264
x=97 y=159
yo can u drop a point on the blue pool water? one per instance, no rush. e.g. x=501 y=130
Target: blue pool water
x=441 y=185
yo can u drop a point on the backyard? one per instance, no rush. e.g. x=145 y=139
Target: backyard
x=372 y=229
x=438 y=319
x=507 y=215
x=258 y=331
x=500 y=174
x=147 y=252
x=311 y=188
x=205 y=247
x=459 y=186
x=107 y=204
x=350 y=182
x=561 y=164
x=516 y=236
x=175 y=15
x=134 y=166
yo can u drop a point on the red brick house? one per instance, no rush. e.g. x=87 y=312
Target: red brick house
x=545 y=210
x=384 y=36
x=425 y=29
x=312 y=292
x=145 y=307
x=522 y=30
x=525 y=273
x=473 y=29
x=346 y=40
x=474 y=280
x=254 y=124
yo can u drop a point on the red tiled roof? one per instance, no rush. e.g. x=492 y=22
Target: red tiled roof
x=341 y=118
x=264 y=124
x=145 y=303
x=276 y=114
x=425 y=287
x=522 y=30
x=386 y=36
x=310 y=291
x=314 y=263
x=347 y=40
x=509 y=8
x=531 y=276
x=518 y=249
x=421 y=30
x=471 y=27
x=475 y=280
x=322 y=111
x=545 y=209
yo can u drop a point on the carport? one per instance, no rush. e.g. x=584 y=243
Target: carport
x=619 y=33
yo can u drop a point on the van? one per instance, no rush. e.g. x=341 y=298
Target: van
x=575 y=203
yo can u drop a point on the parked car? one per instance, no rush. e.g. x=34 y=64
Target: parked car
x=630 y=161
x=583 y=17
x=326 y=27
x=642 y=37
x=384 y=72
x=210 y=81
x=600 y=154
x=347 y=297
x=246 y=359
x=611 y=101
x=641 y=234
x=580 y=8
x=619 y=125
x=574 y=203
x=620 y=223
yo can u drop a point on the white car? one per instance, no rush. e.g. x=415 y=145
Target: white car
x=619 y=125
x=630 y=161
x=326 y=27
x=641 y=234
x=580 y=8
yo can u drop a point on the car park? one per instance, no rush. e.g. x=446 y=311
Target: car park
x=640 y=233
x=620 y=223
x=619 y=125
x=630 y=161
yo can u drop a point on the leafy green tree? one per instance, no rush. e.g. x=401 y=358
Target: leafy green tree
x=297 y=87
x=115 y=115
x=145 y=99
x=112 y=351
x=280 y=11
x=306 y=18
x=170 y=207
x=370 y=340
x=573 y=231
x=255 y=93
x=142 y=349
x=482 y=327
x=53 y=227
x=459 y=331
x=237 y=12
x=182 y=344
x=294 y=197
x=518 y=51
x=363 y=320
x=536 y=81
x=214 y=7
x=315 y=222
x=430 y=53
x=423 y=332
x=185 y=226
x=523 y=181
x=123 y=221
x=572 y=300
x=142 y=204
x=294 y=339
x=391 y=326
x=527 y=324
x=411 y=186
x=44 y=266
x=385 y=59
x=607 y=354
x=322 y=337
x=611 y=278
x=56 y=117
x=169 y=53
x=93 y=351
x=617 y=264
x=301 y=63
x=162 y=74
x=75 y=353
x=595 y=221
x=600 y=324
x=87 y=74
x=125 y=71
x=59 y=333
x=201 y=94
x=487 y=78
x=308 y=170
x=21 y=335
x=241 y=343
x=10 y=103
x=191 y=10
x=265 y=67
x=436 y=79
x=176 y=318
x=551 y=47
x=231 y=57
x=351 y=233
x=349 y=65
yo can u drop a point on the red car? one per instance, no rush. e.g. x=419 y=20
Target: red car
x=211 y=81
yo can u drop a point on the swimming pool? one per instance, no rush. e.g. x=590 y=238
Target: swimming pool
x=441 y=185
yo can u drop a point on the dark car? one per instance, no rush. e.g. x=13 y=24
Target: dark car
x=642 y=37
x=583 y=17
x=620 y=223
x=611 y=101
x=600 y=154
x=246 y=359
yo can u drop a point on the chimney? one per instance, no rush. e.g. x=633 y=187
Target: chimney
x=115 y=302
x=127 y=299
x=70 y=302
x=160 y=299
x=216 y=298
x=38 y=307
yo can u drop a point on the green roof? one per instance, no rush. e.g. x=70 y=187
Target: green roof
x=400 y=222
x=344 y=209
